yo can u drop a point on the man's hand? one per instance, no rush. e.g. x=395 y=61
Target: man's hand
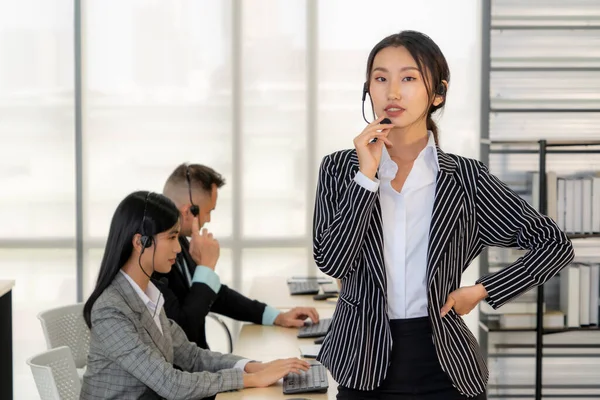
x=464 y=299
x=296 y=316
x=204 y=249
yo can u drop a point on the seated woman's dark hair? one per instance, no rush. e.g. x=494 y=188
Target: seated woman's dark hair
x=158 y=214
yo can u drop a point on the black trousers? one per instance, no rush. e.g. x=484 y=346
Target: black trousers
x=415 y=372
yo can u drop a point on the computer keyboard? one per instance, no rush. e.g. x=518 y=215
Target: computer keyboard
x=312 y=381
x=311 y=330
x=303 y=287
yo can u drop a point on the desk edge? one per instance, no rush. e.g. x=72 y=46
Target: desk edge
x=6 y=286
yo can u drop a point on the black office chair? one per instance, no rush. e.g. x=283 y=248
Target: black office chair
x=223 y=325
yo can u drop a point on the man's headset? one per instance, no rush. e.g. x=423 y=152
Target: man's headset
x=194 y=209
x=440 y=91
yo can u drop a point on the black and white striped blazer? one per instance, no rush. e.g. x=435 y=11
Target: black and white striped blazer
x=472 y=210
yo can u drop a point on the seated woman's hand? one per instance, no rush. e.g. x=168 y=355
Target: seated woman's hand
x=265 y=374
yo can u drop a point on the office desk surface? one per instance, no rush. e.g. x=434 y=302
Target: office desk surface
x=274 y=291
x=266 y=343
x=6 y=286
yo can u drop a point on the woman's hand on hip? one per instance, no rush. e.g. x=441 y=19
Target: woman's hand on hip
x=464 y=299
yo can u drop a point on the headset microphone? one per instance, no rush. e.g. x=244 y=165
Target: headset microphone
x=364 y=97
x=383 y=121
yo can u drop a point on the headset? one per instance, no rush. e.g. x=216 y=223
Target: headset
x=147 y=241
x=440 y=91
x=194 y=209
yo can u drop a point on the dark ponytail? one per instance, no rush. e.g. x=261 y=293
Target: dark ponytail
x=431 y=125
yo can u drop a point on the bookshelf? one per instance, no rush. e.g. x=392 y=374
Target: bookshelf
x=540 y=98
x=544 y=148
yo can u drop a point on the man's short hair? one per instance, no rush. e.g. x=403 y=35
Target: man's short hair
x=201 y=177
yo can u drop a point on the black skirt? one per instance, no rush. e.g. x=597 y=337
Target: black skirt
x=414 y=372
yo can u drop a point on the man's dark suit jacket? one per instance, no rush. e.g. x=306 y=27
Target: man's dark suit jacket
x=189 y=306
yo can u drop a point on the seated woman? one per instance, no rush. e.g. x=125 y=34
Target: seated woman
x=134 y=347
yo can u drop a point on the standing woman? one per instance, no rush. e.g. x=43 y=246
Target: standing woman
x=398 y=221
x=134 y=347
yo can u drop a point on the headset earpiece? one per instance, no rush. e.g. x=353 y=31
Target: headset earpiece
x=365 y=91
x=441 y=89
x=194 y=209
x=146 y=241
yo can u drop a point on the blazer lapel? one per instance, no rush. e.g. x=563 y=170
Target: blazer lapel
x=378 y=265
x=447 y=209
x=166 y=327
x=152 y=329
x=137 y=306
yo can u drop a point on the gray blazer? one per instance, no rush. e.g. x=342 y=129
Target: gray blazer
x=130 y=359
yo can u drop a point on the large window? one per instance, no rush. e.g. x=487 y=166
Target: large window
x=37 y=169
x=259 y=90
x=37 y=162
x=157 y=89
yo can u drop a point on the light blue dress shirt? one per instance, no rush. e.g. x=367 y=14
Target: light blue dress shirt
x=203 y=274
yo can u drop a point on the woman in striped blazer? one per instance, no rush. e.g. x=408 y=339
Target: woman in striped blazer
x=398 y=220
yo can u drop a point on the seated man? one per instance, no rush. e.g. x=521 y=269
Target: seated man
x=194 y=288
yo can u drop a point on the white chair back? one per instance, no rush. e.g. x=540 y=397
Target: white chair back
x=55 y=374
x=65 y=326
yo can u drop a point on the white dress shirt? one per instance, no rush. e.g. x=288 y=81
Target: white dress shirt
x=406 y=220
x=154 y=300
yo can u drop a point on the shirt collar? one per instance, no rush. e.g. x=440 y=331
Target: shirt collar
x=151 y=297
x=388 y=168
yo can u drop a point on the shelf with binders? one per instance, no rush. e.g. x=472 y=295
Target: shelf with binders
x=494 y=326
x=489 y=323
x=530 y=44
x=574 y=236
x=572 y=197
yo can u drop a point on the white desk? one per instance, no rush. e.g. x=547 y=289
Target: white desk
x=266 y=343
x=6 y=361
x=274 y=291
